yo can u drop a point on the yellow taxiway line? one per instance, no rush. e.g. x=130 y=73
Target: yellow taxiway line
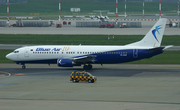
x=9 y=74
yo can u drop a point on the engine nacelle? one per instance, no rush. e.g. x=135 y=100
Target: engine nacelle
x=65 y=62
x=98 y=17
x=106 y=17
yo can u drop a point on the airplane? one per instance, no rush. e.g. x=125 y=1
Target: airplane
x=77 y=55
x=92 y=16
x=103 y=18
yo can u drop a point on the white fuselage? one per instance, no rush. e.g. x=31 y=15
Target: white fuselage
x=49 y=52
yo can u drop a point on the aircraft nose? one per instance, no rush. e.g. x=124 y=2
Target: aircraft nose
x=10 y=56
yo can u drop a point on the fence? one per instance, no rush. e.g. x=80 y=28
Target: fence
x=21 y=23
x=97 y=24
x=3 y=23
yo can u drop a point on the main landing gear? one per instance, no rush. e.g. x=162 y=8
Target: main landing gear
x=87 y=67
x=23 y=66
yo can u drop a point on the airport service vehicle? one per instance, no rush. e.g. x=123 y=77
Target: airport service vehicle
x=77 y=76
x=110 y=25
x=77 y=55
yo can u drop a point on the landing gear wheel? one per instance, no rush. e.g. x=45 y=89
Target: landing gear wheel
x=87 y=67
x=23 y=67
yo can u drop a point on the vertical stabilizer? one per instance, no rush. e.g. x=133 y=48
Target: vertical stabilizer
x=154 y=37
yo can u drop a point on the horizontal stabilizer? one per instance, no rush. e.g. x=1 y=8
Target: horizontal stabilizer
x=160 y=48
x=156 y=49
x=169 y=46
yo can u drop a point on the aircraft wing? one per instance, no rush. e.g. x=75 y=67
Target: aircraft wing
x=84 y=59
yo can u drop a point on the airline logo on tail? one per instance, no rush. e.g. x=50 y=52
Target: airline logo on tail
x=156 y=30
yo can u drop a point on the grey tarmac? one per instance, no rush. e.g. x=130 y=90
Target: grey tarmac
x=118 y=87
x=83 y=31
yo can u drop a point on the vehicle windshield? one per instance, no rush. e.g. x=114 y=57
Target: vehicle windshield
x=89 y=74
x=16 y=51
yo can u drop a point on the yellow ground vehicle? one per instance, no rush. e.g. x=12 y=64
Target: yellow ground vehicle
x=77 y=76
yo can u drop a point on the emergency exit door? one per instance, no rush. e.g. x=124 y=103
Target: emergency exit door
x=135 y=53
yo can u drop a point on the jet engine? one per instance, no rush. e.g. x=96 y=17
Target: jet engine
x=65 y=62
x=98 y=17
x=106 y=17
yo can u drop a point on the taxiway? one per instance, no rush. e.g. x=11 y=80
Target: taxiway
x=118 y=87
x=83 y=31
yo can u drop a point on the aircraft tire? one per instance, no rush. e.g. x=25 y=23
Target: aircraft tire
x=89 y=67
x=23 y=67
x=85 y=67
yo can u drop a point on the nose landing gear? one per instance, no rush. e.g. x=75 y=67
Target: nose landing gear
x=23 y=66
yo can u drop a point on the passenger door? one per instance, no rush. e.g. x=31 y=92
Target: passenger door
x=26 y=52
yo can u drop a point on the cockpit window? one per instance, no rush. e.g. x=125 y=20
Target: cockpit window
x=16 y=51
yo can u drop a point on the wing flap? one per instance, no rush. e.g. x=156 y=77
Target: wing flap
x=84 y=59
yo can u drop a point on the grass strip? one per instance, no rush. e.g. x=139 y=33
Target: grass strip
x=3 y=53
x=167 y=57
x=86 y=6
